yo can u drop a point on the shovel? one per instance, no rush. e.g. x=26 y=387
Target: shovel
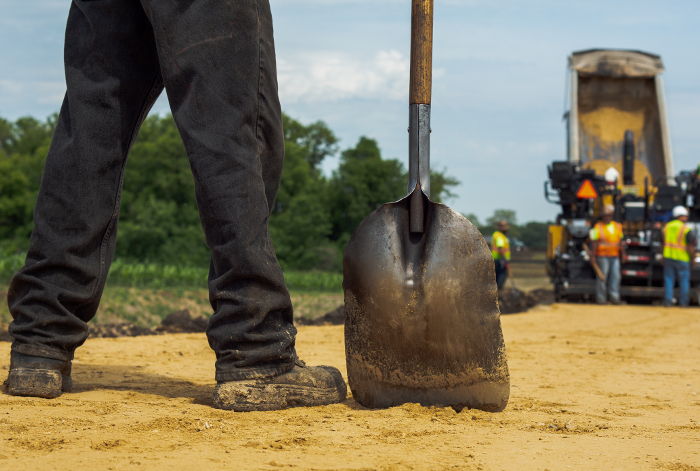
x=422 y=319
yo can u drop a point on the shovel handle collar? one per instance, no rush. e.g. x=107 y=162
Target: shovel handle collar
x=421 y=52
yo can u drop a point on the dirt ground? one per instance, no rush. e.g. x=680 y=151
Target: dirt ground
x=593 y=387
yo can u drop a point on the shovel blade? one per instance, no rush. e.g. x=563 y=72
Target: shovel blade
x=422 y=314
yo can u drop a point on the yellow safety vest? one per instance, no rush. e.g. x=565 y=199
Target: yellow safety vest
x=499 y=240
x=675 y=246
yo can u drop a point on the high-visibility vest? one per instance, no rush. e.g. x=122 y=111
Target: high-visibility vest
x=675 y=246
x=499 y=240
x=608 y=237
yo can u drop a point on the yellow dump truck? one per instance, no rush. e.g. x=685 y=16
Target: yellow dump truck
x=619 y=153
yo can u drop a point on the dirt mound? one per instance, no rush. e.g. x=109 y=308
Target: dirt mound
x=513 y=300
x=178 y=322
x=334 y=317
x=121 y=329
x=183 y=322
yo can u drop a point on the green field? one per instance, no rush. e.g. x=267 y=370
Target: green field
x=144 y=293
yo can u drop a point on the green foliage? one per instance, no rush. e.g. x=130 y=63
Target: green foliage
x=533 y=234
x=441 y=186
x=316 y=139
x=312 y=218
x=363 y=182
x=507 y=215
x=159 y=220
x=156 y=275
x=300 y=221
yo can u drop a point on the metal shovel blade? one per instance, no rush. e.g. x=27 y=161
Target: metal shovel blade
x=422 y=319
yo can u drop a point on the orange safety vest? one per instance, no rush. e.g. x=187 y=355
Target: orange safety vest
x=608 y=241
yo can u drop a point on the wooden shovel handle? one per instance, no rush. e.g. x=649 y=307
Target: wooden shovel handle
x=421 y=52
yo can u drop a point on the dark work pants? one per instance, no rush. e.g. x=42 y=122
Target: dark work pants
x=501 y=273
x=216 y=60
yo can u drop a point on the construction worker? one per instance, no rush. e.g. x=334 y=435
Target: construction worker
x=216 y=61
x=606 y=248
x=679 y=254
x=500 y=249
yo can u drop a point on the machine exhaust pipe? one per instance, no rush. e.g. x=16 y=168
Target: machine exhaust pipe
x=628 y=158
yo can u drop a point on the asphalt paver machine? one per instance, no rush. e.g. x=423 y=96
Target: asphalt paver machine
x=619 y=154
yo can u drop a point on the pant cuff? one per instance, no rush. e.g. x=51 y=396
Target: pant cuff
x=260 y=372
x=41 y=351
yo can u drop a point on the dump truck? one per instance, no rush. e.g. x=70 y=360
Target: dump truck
x=618 y=153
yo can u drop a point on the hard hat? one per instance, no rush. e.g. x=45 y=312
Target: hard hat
x=612 y=175
x=679 y=211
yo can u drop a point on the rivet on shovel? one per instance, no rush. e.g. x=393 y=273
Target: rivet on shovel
x=420 y=293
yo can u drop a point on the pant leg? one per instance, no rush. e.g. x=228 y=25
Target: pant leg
x=669 y=280
x=684 y=283
x=614 y=279
x=499 y=266
x=218 y=64
x=601 y=294
x=112 y=79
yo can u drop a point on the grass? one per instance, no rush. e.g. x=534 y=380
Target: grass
x=146 y=307
x=144 y=293
x=157 y=276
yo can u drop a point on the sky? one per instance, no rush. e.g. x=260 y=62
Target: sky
x=499 y=79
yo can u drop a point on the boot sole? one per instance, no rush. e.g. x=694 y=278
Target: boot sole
x=254 y=397
x=35 y=382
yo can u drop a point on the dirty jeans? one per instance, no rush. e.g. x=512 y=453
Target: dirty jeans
x=216 y=61
x=676 y=269
x=610 y=286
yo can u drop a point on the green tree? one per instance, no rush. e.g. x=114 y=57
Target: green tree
x=441 y=186
x=507 y=215
x=311 y=219
x=362 y=182
x=159 y=221
x=300 y=222
x=534 y=234
x=316 y=139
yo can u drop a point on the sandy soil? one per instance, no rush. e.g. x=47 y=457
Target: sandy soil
x=592 y=388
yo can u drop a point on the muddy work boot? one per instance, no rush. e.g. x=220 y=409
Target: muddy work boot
x=37 y=376
x=300 y=387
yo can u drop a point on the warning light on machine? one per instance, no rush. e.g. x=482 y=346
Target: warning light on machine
x=586 y=191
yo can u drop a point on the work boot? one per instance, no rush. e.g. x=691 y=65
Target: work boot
x=37 y=376
x=300 y=387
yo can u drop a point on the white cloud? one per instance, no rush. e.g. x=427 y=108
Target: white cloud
x=332 y=75
x=15 y=94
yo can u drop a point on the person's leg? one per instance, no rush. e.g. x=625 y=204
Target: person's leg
x=684 y=283
x=218 y=65
x=601 y=295
x=614 y=279
x=112 y=78
x=500 y=274
x=669 y=281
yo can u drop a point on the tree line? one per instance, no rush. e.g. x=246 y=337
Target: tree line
x=312 y=219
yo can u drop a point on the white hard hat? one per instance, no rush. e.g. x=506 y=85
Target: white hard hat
x=612 y=175
x=679 y=211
